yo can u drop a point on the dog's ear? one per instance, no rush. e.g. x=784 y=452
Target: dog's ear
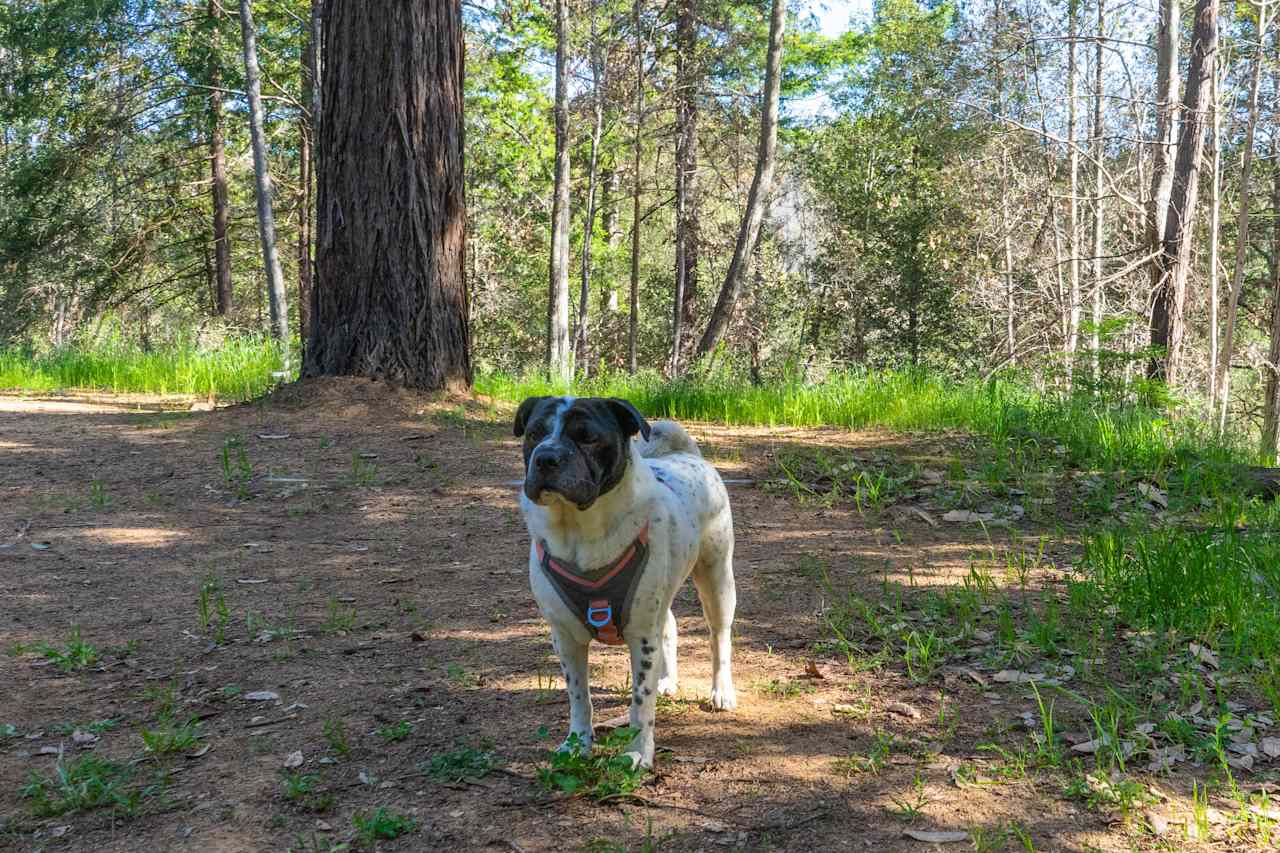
x=523 y=413
x=629 y=418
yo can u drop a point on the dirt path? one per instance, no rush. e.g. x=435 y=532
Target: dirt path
x=366 y=553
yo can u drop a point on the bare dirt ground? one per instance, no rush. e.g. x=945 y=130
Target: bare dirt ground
x=370 y=554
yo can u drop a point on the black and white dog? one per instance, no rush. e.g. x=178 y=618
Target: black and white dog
x=617 y=525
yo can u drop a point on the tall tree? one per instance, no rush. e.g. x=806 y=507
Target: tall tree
x=593 y=170
x=1073 y=190
x=1170 y=267
x=1271 y=398
x=559 y=356
x=390 y=294
x=633 y=322
x=262 y=176
x=761 y=184
x=1099 y=152
x=307 y=124
x=688 y=83
x=1223 y=385
x=218 y=168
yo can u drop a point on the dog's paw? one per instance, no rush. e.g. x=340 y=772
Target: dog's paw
x=723 y=698
x=638 y=760
x=667 y=686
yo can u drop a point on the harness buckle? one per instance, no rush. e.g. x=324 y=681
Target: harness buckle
x=599 y=613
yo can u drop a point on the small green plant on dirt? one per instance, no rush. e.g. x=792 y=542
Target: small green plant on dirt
x=98 y=496
x=75 y=655
x=594 y=773
x=335 y=734
x=871 y=761
x=788 y=688
x=212 y=610
x=463 y=763
x=923 y=655
x=381 y=824
x=164 y=697
x=397 y=732
x=298 y=785
x=341 y=619
x=363 y=471
x=171 y=736
x=8 y=730
x=1048 y=745
x=459 y=677
x=910 y=808
x=88 y=782
x=96 y=727
x=237 y=470
x=989 y=839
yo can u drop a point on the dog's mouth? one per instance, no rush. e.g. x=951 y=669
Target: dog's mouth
x=546 y=494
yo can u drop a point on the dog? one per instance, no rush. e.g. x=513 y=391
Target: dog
x=616 y=525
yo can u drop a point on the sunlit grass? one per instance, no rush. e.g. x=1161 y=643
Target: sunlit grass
x=238 y=368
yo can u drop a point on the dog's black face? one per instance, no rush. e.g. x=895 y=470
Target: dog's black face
x=576 y=447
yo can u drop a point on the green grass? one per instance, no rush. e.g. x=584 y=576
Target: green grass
x=1087 y=432
x=86 y=783
x=239 y=368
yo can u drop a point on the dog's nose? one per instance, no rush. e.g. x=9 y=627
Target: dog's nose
x=547 y=460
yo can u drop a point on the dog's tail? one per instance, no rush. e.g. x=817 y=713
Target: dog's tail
x=667 y=437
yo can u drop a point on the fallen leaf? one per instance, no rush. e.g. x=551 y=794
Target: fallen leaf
x=811 y=670
x=1271 y=746
x=615 y=722
x=83 y=739
x=262 y=696
x=199 y=752
x=1089 y=747
x=59 y=831
x=1012 y=676
x=42 y=546
x=943 y=837
x=1203 y=654
x=293 y=759
x=273 y=436
x=323 y=826
x=1244 y=762
x=1156 y=496
x=967 y=516
x=251 y=580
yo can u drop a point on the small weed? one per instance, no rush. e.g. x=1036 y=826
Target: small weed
x=785 y=689
x=76 y=655
x=397 y=732
x=910 y=809
x=871 y=762
x=459 y=676
x=464 y=763
x=96 y=727
x=341 y=618
x=86 y=783
x=335 y=734
x=923 y=655
x=172 y=737
x=381 y=825
x=98 y=496
x=237 y=470
x=363 y=471
x=602 y=772
x=165 y=697
x=298 y=785
x=211 y=609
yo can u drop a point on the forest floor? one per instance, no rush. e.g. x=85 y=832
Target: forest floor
x=254 y=627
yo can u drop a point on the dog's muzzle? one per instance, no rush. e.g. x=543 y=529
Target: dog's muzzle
x=559 y=469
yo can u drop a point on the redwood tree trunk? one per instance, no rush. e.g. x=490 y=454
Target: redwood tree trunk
x=390 y=292
x=218 y=165
x=760 y=184
x=1170 y=268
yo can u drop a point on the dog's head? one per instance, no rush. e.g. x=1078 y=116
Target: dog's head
x=576 y=447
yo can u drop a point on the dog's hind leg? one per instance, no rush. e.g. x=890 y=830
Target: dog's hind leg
x=573 y=664
x=713 y=576
x=668 y=679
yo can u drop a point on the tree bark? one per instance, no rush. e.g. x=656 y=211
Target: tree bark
x=1171 y=265
x=262 y=176
x=1242 y=226
x=760 y=185
x=306 y=153
x=688 y=75
x=218 y=166
x=589 y=213
x=559 y=356
x=610 y=187
x=1099 y=155
x=633 y=320
x=390 y=294
x=1073 y=193
x=1215 y=216
x=1167 y=37
x=1271 y=407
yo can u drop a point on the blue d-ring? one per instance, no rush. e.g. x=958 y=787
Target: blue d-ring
x=599 y=622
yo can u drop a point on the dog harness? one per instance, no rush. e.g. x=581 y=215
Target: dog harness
x=599 y=598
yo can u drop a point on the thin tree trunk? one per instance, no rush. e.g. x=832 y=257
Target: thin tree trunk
x=1099 y=156
x=262 y=175
x=1168 y=34
x=610 y=187
x=589 y=214
x=390 y=293
x=559 y=356
x=1170 y=268
x=1006 y=228
x=1073 y=193
x=1271 y=407
x=1215 y=214
x=218 y=165
x=1242 y=226
x=306 y=133
x=633 y=321
x=760 y=185
x=686 y=265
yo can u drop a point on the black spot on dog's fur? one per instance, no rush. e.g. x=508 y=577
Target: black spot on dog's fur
x=646 y=664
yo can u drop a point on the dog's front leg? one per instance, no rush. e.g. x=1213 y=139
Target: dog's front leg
x=573 y=665
x=645 y=660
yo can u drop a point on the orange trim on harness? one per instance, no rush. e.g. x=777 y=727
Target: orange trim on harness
x=599 y=598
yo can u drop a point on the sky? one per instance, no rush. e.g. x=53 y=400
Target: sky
x=834 y=15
